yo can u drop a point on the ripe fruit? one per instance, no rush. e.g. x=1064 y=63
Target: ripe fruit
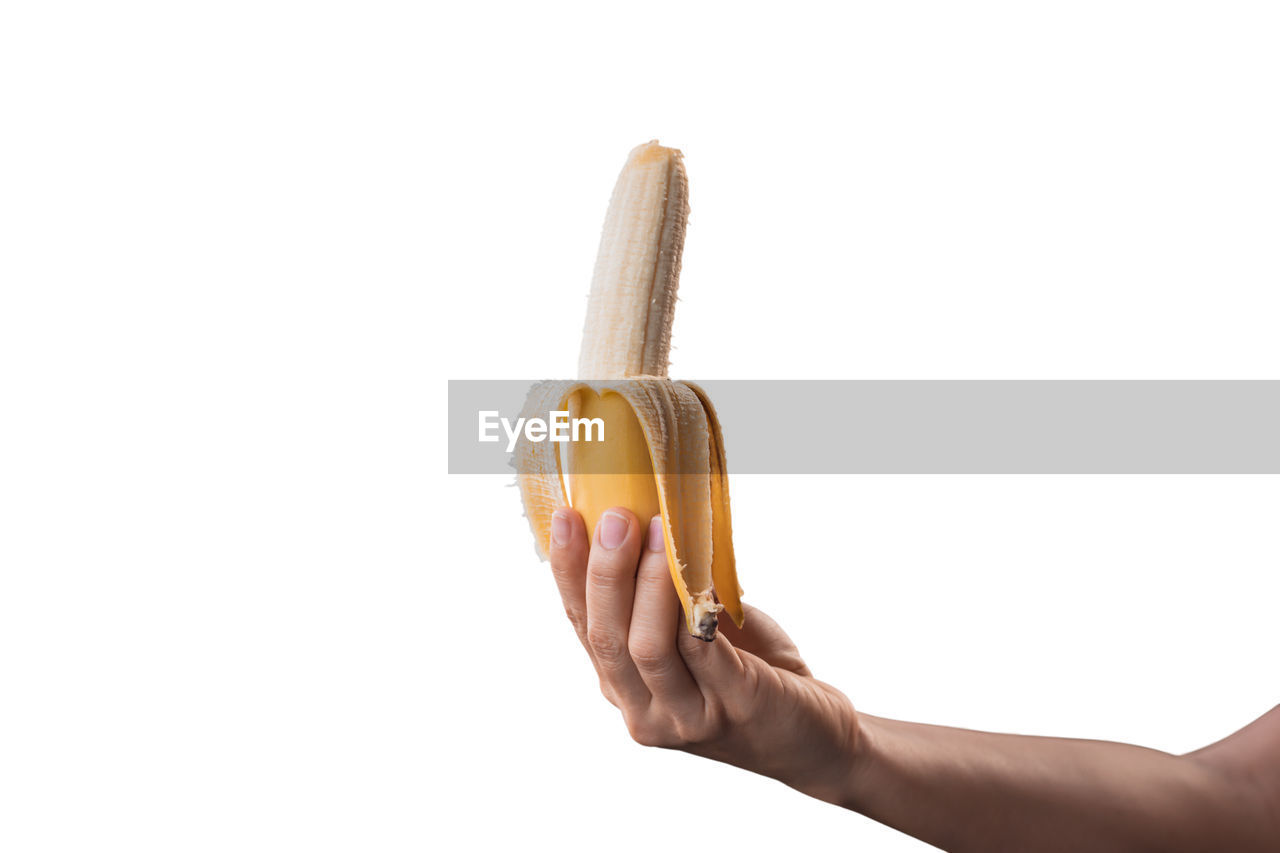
x=662 y=453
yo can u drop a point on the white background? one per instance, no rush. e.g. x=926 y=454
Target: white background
x=243 y=245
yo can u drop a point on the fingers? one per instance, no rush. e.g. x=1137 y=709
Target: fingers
x=715 y=666
x=617 y=593
x=569 y=566
x=655 y=618
x=610 y=591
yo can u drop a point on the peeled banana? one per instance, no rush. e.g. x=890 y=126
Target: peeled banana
x=663 y=451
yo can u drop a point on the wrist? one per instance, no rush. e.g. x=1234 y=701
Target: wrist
x=835 y=774
x=859 y=762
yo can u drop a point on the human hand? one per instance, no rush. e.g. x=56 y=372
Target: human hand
x=745 y=698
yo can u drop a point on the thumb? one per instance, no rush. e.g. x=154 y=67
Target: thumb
x=716 y=665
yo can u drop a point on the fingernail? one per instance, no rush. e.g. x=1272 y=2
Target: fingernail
x=656 y=542
x=560 y=527
x=613 y=530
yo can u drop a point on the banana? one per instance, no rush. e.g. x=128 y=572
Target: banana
x=663 y=449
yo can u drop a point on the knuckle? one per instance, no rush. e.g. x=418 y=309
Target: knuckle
x=649 y=655
x=689 y=731
x=607 y=691
x=646 y=733
x=566 y=578
x=607 y=645
x=607 y=575
x=707 y=727
x=576 y=620
x=567 y=563
x=561 y=565
x=641 y=735
x=652 y=575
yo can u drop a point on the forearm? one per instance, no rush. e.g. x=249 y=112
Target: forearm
x=966 y=790
x=747 y=698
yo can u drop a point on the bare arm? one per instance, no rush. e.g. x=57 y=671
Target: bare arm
x=965 y=790
x=748 y=699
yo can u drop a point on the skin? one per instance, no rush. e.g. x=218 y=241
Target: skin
x=748 y=699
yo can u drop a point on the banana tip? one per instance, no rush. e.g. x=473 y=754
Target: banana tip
x=653 y=152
